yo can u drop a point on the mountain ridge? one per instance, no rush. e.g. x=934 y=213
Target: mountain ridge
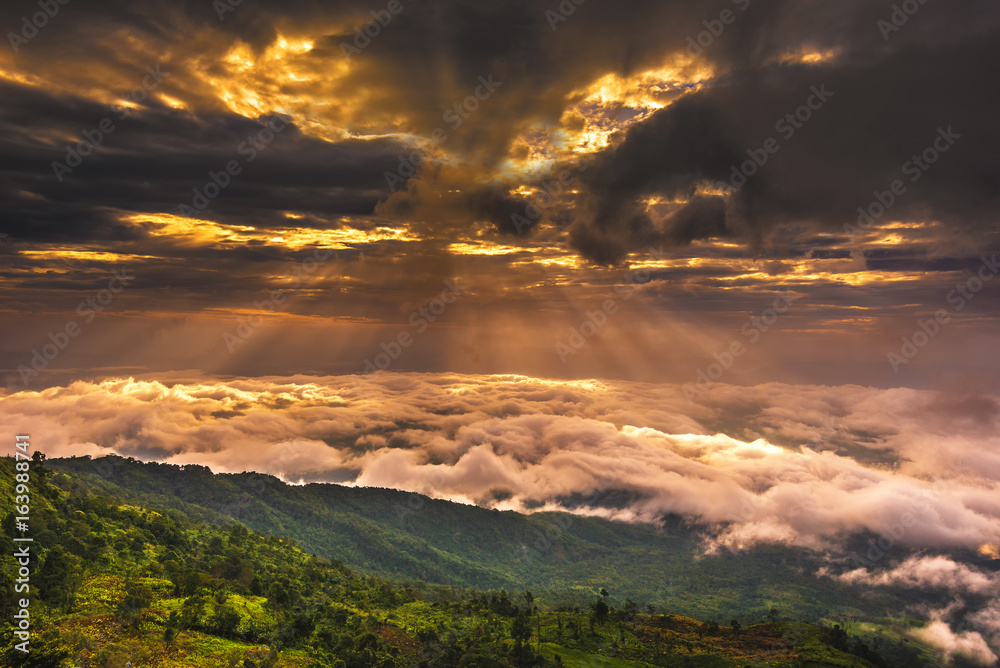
x=408 y=536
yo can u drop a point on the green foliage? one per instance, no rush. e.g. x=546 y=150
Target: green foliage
x=162 y=588
x=405 y=536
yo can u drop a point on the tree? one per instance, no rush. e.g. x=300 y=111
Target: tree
x=601 y=611
x=736 y=627
x=225 y=621
x=47 y=651
x=520 y=628
x=132 y=607
x=192 y=611
x=629 y=610
x=60 y=577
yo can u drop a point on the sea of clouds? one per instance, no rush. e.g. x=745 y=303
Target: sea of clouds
x=806 y=466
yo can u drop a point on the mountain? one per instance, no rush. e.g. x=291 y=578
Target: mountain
x=123 y=575
x=407 y=536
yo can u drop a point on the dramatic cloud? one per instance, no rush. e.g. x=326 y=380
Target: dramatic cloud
x=957 y=580
x=929 y=572
x=967 y=643
x=512 y=146
x=809 y=466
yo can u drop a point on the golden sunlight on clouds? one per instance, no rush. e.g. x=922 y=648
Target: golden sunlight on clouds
x=612 y=103
x=652 y=89
x=56 y=254
x=338 y=239
x=281 y=79
x=807 y=56
x=287 y=78
x=187 y=230
x=207 y=232
x=485 y=248
x=556 y=438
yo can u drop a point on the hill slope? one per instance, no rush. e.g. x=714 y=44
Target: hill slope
x=408 y=536
x=116 y=582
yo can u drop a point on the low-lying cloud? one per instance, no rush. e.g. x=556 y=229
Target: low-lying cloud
x=796 y=465
x=967 y=643
x=929 y=572
x=974 y=603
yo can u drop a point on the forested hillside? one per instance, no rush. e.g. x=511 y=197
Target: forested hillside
x=566 y=557
x=118 y=582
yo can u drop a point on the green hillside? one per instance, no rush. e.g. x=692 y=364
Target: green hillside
x=568 y=558
x=116 y=581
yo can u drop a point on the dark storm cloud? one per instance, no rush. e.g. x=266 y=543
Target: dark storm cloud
x=858 y=142
x=890 y=97
x=152 y=161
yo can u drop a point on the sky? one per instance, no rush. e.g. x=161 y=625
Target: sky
x=730 y=259
x=543 y=160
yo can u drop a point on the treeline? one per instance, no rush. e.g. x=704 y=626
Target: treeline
x=122 y=582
